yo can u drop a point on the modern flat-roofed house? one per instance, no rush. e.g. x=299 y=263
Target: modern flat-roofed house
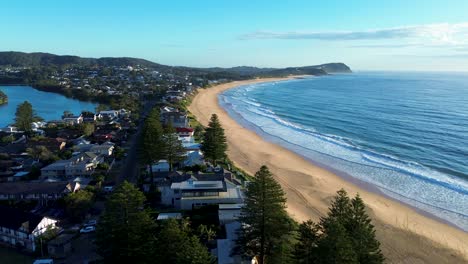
x=39 y=191
x=21 y=229
x=195 y=192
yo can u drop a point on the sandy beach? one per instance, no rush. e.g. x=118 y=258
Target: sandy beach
x=407 y=236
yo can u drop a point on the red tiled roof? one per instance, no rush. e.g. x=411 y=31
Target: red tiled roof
x=184 y=129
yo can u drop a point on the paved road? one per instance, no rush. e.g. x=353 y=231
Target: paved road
x=130 y=168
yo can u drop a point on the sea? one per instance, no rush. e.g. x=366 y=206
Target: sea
x=404 y=134
x=49 y=106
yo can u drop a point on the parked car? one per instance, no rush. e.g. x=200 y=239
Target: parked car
x=43 y=261
x=108 y=189
x=91 y=222
x=87 y=229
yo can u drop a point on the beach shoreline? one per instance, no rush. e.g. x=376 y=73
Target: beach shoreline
x=406 y=233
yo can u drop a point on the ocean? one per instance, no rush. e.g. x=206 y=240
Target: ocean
x=404 y=134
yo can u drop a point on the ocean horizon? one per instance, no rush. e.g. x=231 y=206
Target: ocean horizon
x=405 y=134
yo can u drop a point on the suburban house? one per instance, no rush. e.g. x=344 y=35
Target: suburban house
x=77 y=166
x=105 y=148
x=203 y=189
x=161 y=165
x=184 y=131
x=89 y=117
x=73 y=120
x=109 y=114
x=21 y=229
x=39 y=191
x=173 y=116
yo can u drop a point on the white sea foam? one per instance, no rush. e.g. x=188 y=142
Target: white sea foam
x=432 y=191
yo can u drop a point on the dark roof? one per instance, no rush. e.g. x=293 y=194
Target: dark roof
x=13 y=218
x=32 y=187
x=184 y=129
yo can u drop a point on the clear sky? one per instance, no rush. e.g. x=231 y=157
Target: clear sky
x=366 y=35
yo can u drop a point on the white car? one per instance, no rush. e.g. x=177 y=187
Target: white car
x=87 y=229
x=91 y=223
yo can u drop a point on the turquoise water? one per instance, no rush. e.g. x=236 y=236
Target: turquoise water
x=404 y=133
x=49 y=106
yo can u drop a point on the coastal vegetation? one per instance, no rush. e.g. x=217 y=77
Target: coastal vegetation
x=214 y=143
x=266 y=231
x=128 y=232
x=25 y=115
x=3 y=98
x=160 y=143
x=345 y=235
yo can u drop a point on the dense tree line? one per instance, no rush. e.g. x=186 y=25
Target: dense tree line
x=159 y=143
x=345 y=235
x=128 y=233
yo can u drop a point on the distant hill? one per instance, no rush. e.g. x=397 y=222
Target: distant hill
x=36 y=59
x=18 y=59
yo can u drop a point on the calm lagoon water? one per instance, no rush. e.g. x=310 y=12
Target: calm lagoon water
x=49 y=106
x=404 y=133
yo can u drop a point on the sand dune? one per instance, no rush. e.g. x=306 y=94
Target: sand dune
x=407 y=236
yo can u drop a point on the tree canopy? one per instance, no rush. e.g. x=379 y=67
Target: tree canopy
x=265 y=223
x=3 y=98
x=125 y=233
x=152 y=140
x=345 y=235
x=214 y=144
x=24 y=116
x=174 y=152
x=176 y=244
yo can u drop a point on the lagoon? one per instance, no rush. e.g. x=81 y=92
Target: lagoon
x=49 y=106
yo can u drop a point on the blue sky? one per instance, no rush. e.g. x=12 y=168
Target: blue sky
x=367 y=35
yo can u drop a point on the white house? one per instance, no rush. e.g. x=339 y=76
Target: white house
x=18 y=228
x=73 y=120
x=111 y=114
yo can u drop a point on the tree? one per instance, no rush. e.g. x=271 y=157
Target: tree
x=305 y=251
x=125 y=233
x=335 y=246
x=78 y=204
x=265 y=223
x=153 y=146
x=214 y=144
x=173 y=150
x=7 y=139
x=87 y=129
x=345 y=235
x=24 y=116
x=67 y=113
x=41 y=153
x=3 y=98
x=175 y=244
x=362 y=234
